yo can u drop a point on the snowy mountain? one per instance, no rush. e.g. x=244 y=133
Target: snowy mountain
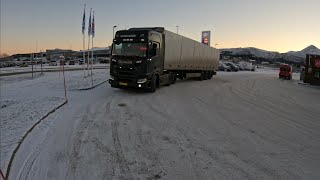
x=295 y=56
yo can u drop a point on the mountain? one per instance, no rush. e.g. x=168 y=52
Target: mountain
x=293 y=56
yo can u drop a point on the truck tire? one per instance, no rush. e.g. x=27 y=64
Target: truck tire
x=202 y=76
x=174 y=78
x=210 y=75
x=205 y=75
x=153 y=85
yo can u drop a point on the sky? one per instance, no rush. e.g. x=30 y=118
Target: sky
x=274 y=25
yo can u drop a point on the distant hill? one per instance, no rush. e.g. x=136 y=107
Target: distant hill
x=291 y=56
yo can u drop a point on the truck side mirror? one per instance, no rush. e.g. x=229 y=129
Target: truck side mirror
x=153 y=49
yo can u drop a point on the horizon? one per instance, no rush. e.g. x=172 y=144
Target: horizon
x=269 y=25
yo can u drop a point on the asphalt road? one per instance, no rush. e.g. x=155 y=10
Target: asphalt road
x=241 y=125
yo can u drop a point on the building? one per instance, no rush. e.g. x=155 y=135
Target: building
x=54 y=54
x=101 y=52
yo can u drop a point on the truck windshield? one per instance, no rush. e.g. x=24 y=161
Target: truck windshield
x=285 y=69
x=130 y=49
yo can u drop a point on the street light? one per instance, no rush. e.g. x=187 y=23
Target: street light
x=113 y=32
x=177 y=29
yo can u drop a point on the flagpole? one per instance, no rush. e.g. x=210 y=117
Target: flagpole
x=92 y=56
x=89 y=33
x=84 y=57
x=83 y=45
x=93 y=33
x=92 y=62
x=88 y=54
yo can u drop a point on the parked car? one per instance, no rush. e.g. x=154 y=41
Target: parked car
x=240 y=69
x=72 y=62
x=62 y=62
x=104 y=60
x=224 y=67
x=232 y=66
x=81 y=61
x=24 y=65
x=285 y=71
x=53 y=63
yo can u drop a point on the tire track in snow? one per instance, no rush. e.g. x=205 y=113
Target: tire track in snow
x=122 y=162
x=84 y=124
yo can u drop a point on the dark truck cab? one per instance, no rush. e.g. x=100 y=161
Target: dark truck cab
x=137 y=59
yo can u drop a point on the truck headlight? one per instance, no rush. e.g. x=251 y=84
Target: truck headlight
x=141 y=81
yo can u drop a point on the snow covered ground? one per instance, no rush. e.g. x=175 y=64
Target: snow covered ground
x=24 y=101
x=238 y=125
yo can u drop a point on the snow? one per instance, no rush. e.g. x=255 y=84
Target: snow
x=25 y=100
x=238 y=125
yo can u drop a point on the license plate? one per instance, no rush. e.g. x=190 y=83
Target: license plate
x=123 y=84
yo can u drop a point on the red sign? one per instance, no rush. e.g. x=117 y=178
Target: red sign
x=206 y=41
x=317 y=63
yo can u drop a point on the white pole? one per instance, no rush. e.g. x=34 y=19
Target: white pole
x=83 y=45
x=92 y=56
x=84 y=56
x=92 y=62
x=88 y=54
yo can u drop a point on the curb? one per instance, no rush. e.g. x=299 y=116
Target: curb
x=25 y=136
x=92 y=87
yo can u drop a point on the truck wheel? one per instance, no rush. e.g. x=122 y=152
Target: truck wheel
x=210 y=75
x=173 y=78
x=153 y=87
x=202 y=76
x=205 y=75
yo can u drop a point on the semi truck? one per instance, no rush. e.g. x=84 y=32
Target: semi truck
x=152 y=57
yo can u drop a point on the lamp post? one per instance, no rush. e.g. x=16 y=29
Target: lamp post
x=177 y=29
x=113 y=32
x=41 y=60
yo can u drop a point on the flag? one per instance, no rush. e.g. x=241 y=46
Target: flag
x=90 y=28
x=84 y=20
x=93 y=26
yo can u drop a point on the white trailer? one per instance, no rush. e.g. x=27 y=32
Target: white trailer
x=182 y=53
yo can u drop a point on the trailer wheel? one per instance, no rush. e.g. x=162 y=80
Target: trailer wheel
x=202 y=76
x=205 y=75
x=174 y=78
x=210 y=75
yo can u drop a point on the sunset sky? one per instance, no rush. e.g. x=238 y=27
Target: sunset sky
x=277 y=25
